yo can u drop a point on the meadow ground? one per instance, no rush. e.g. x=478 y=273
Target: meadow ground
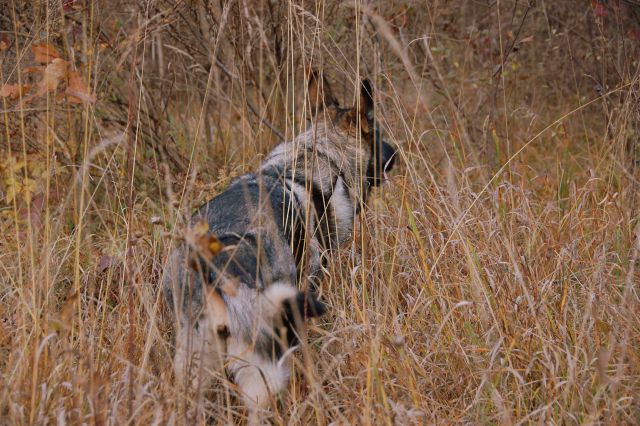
x=492 y=279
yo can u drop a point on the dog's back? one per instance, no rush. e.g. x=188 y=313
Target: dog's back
x=243 y=218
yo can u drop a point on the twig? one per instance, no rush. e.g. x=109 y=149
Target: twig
x=513 y=43
x=253 y=109
x=129 y=276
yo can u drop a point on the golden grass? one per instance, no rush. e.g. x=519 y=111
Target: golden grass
x=493 y=279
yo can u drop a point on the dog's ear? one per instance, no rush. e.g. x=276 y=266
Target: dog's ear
x=319 y=92
x=365 y=105
x=362 y=113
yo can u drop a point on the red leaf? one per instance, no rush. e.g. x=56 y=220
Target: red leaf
x=67 y=5
x=599 y=10
x=4 y=42
x=34 y=213
x=53 y=74
x=78 y=92
x=14 y=91
x=44 y=53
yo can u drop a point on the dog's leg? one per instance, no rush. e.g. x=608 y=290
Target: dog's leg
x=259 y=381
x=201 y=348
x=196 y=360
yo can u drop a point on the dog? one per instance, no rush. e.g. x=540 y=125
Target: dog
x=243 y=285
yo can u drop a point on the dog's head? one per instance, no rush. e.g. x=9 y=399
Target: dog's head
x=356 y=128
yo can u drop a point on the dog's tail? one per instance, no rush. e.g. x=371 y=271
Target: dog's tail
x=285 y=309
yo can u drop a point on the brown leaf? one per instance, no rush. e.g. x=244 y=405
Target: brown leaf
x=5 y=42
x=14 y=91
x=208 y=246
x=44 y=53
x=53 y=74
x=68 y=5
x=30 y=70
x=65 y=316
x=200 y=228
x=104 y=263
x=34 y=212
x=78 y=92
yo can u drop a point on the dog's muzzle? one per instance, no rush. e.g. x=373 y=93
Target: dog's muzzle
x=383 y=161
x=388 y=157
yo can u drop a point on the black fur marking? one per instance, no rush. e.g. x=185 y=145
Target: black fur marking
x=240 y=261
x=320 y=201
x=247 y=194
x=295 y=231
x=287 y=333
x=293 y=217
x=298 y=310
x=366 y=96
x=223 y=332
x=382 y=160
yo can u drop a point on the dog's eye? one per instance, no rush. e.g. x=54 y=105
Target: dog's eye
x=223 y=332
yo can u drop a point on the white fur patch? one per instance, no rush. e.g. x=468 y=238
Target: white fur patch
x=274 y=297
x=301 y=193
x=258 y=378
x=313 y=245
x=343 y=210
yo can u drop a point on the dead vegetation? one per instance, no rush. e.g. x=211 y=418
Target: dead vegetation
x=494 y=279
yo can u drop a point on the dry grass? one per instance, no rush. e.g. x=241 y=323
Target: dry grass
x=494 y=279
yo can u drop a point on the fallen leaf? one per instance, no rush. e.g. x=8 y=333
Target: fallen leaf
x=599 y=10
x=9 y=90
x=5 y=42
x=208 y=246
x=104 y=263
x=200 y=228
x=14 y=91
x=44 y=53
x=67 y=5
x=63 y=320
x=214 y=246
x=29 y=188
x=29 y=70
x=13 y=164
x=12 y=189
x=53 y=74
x=78 y=92
x=34 y=212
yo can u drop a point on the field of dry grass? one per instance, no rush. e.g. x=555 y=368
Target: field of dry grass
x=493 y=279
